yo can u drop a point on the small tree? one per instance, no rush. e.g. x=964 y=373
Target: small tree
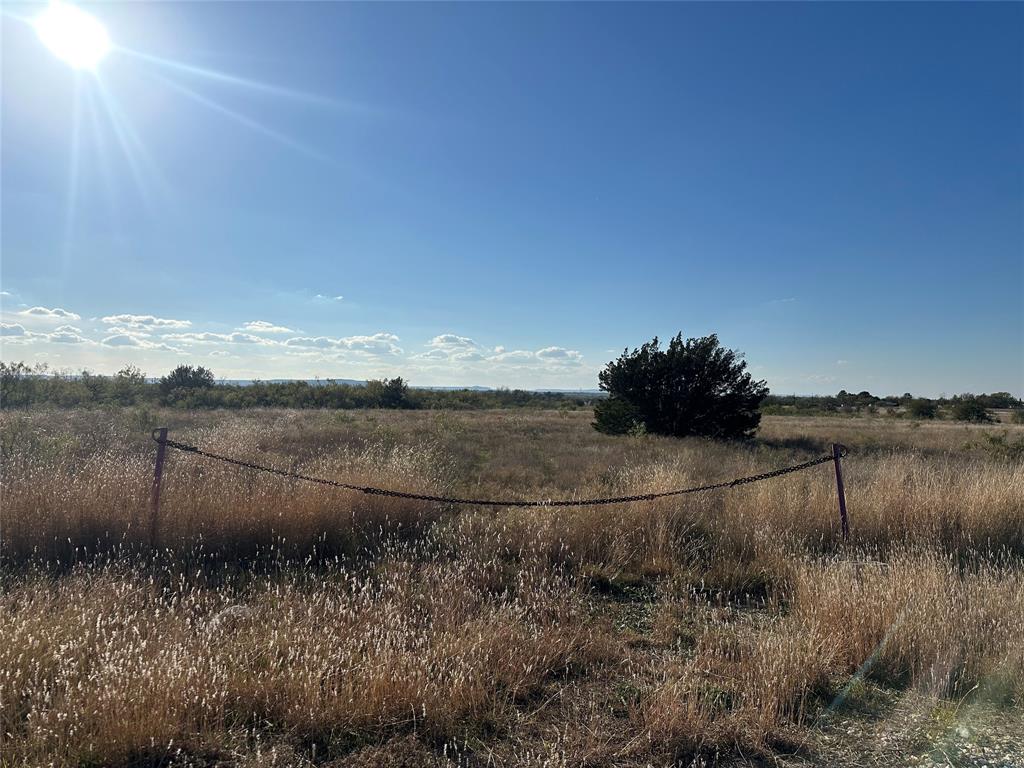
x=187 y=378
x=17 y=384
x=969 y=409
x=395 y=393
x=131 y=374
x=920 y=408
x=692 y=387
x=129 y=383
x=388 y=393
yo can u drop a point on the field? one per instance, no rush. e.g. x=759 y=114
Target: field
x=283 y=623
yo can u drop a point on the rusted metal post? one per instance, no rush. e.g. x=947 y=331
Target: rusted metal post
x=160 y=435
x=844 y=521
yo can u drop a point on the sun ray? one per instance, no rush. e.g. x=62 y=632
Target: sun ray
x=863 y=670
x=240 y=82
x=99 y=143
x=71 y=203
x=242 y=119
x=7 y=13
x=134 y=150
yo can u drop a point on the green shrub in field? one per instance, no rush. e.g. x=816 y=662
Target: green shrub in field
x=185 y=378
x=692 y=387
x=615 y=416
x=923 y=409
x=971 y=410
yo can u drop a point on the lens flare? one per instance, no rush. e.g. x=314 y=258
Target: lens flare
x=73 y=35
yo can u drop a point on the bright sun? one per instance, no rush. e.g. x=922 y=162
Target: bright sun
x=73 y=35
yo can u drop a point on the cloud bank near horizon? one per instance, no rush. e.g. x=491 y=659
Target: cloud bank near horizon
x=261 y=348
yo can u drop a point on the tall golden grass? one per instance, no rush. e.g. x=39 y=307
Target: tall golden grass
x=105 y=667
x=919 y=620
x=287 y=623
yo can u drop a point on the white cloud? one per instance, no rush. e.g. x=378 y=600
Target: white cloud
x=432 y=354
x=559 y=354
x=512 y=356
x=126 y=340
x=49 y=314
x=120 y=329
x=247 y=338
x=377 y=344
x=317 y=342
x=123 y=340
x=451 y=347
x=219 y=338
x=842 y=362
x=322 y=297
x=262 y=326
x=144 y=321
x=66 y=334
x=549 y=357
x=451 y=341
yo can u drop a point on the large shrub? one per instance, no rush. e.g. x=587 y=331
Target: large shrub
x=692 y=387
x=184 y=383
x=921 y=408
x=971 y=409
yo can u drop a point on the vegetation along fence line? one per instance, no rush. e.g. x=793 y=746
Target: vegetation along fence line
x=163 y=442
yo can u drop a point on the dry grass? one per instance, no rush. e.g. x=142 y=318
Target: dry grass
x=285 y=624
x=63 y=504
x=101 y=666
x=918 y=620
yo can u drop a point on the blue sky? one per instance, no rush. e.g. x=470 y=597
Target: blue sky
x=508 y=194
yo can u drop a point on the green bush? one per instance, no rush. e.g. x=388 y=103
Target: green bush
x=184 y=379
x=692 y=387
x=970 y=410
x=923 y=409
x=614 y=416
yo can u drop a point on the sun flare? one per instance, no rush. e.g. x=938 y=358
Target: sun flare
x=73 y=35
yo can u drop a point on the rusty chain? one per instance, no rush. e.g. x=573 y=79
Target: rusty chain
x=373 y=491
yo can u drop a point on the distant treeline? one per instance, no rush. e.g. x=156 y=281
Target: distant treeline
x=196 y=387
x=963 y=407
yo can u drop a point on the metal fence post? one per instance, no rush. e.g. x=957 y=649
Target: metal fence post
x=844 y=521
x=160 y=435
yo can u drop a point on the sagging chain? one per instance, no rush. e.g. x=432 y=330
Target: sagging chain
x=373 y=491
